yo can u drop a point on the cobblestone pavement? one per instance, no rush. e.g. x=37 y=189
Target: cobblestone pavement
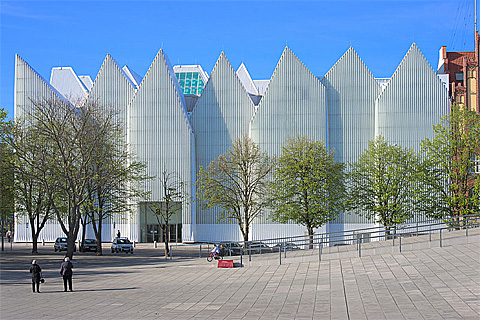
x=430 y=283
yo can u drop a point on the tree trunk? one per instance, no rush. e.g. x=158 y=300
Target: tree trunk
x=165 y=232
x=34 y=236
x=84 y=231
x=387 y=232
x=98 y=236
x=70 y=246
x=245 y=235
x=310 y=236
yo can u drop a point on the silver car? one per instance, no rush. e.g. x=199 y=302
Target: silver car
x=122 y=245
x=61 y=245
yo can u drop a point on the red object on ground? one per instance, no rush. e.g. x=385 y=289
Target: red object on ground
x=225 y=263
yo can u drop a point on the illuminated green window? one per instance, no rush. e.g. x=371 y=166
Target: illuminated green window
x=200 y=83
x=194 y=90
x=182 y=75
x=177 y=75
x=186 y=91
x=189 y=75
x=195 y=75
x=200 y=90
x=194 y=83
x=182 y=83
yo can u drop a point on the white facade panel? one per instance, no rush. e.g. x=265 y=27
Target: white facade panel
x=351 y=94
x=346 y=109
x=159 y=131
x=294 y=104
x=221 y=115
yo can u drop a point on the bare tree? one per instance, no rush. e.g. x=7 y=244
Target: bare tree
x=69 y=136
x=173 y=194
x=237 y=183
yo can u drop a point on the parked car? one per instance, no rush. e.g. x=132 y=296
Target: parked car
x=90 y=245
x=259 y=247
x=286 y=245
x=61 y=245
x=122 y=245
x=231 y=248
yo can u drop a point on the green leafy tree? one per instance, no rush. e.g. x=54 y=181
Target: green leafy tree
x=115 y=174
x=173 y=194
x=70 y=140
x=6 y=173
x=450 y=178
x=31 y=196
x=308 y=186
x=237 y=183
x=382 y=183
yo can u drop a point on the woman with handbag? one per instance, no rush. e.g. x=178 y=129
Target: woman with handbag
x=36 y=272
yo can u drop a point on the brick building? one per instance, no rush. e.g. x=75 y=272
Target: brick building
x=462 y=70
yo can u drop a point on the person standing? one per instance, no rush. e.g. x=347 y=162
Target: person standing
x=36 y=272
x=66 y=272
x=9 y=235
x=118 y=233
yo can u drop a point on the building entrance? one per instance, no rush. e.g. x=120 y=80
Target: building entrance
x=151 y=225
x=155 y=233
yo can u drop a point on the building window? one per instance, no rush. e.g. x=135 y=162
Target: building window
x=476 y=164
x=459 y=76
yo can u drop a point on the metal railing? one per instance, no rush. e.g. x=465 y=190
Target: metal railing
x=355 y=237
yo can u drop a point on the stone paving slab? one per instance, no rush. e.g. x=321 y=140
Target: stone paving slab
x=426 y=283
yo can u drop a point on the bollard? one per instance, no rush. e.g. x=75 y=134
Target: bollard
x=134 y=243
x=320 y=247
x=170 y=253
x=284 y=251
x=466 y=230
x=359 y=245
x=440 y=238
x=417 y=229
x=200 y=253
x=249 y=255
x=400 y=243
x=43 y=242
x=154 y=244
x=280 y=255
x=241 y=256
x=430 y=234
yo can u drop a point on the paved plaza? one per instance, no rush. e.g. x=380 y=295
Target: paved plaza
x=426 y=283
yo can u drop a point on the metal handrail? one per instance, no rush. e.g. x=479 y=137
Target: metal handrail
x=356 y=236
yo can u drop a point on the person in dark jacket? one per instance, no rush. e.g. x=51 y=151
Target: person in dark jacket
x=36 y=272
x=66 y=272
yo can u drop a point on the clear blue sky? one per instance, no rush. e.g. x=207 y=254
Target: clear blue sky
x=80 y=33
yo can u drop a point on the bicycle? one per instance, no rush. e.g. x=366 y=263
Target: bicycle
x=214 y=256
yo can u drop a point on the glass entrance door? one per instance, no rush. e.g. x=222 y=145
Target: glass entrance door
x=153 y=232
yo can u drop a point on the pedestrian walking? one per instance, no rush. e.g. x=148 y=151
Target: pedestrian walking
x=66 y=272
x=9 y=235
x=36 y=272
x=118 y=233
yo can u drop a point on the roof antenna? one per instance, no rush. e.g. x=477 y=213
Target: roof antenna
x=161 y=48
x=286 y=43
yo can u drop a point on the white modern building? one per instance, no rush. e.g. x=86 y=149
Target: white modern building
x=170 y=128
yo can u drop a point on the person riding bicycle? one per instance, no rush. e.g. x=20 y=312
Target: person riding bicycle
x=215 y=251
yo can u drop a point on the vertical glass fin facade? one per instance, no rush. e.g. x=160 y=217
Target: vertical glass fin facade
x=160 y=132
x=351 y=94
x=346 y=108
x=221 y=115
